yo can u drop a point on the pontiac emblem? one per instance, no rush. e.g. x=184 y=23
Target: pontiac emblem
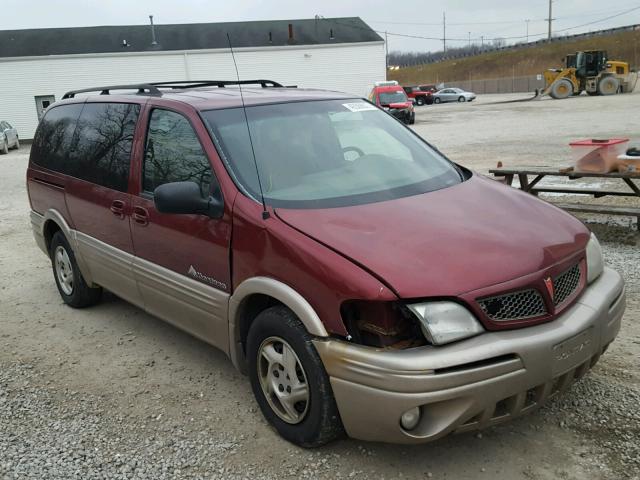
x=548 y=282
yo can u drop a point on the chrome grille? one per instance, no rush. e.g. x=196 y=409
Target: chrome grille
x=565 y=284
x=514 y=306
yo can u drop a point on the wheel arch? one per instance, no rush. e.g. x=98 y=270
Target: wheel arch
x=53 y=221
x=253 y=296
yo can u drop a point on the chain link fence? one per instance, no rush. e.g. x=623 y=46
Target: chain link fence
x=501 y=85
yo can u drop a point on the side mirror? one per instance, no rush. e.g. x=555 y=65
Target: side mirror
x=185 y=198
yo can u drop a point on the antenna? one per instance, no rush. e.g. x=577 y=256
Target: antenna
x=265 y=213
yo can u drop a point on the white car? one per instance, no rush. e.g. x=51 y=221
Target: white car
x=8 y=137
x=453 y=95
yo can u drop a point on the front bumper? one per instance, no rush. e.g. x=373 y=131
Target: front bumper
x=473 y=383
x=401 y=114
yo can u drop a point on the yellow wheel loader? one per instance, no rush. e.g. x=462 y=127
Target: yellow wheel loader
x=590 y=72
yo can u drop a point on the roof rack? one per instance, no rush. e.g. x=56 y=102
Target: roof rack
x=154 y=87
x=143 y=88
x=216 y=83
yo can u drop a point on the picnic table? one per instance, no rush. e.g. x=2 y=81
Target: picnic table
x=530 y=177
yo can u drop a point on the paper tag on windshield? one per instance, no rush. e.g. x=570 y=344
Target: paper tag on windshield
x=359 y=107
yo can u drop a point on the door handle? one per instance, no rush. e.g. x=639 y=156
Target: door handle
x=117 y=208
x=140 y=216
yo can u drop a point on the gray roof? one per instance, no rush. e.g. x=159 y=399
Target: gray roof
x=193 y=36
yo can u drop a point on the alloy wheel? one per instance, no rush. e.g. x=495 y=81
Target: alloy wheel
x=64 y=271
x=283 y=380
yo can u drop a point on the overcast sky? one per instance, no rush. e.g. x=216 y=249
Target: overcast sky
x=488 y=18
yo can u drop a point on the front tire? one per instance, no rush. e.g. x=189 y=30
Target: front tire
x=561 y=89
x=5 y=149
x=608 y=86
x=17 y=145
x=289 y=381
x=461 y=99
x=71 y=284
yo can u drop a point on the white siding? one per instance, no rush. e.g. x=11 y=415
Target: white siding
x=350 y=68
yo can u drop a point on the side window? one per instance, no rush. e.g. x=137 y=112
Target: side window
x=102 y=153
x=55 y=137
x=173 y=153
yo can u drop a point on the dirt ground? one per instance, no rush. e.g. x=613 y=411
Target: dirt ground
x=111 y=392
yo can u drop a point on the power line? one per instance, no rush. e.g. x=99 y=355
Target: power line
x=483 y=37
x=502 y=22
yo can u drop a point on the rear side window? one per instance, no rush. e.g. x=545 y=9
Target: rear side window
x=55 y=137
x=173 y=153
x=102 y=153
x=91 y=143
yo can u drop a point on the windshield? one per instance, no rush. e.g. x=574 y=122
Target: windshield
x=387 y=98
x=326 y=154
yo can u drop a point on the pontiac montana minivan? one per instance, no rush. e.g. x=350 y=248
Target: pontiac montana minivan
x=365 y=283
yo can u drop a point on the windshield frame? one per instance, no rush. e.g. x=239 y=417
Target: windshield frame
x=359 y=199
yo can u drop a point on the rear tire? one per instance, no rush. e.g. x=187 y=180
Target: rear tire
x=283 y=360
x=436 y=100
x=561 y=89
x=608 y=86
x=71 y=284
x=419 y=101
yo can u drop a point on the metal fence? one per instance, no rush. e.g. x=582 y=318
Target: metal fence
x=500 y=85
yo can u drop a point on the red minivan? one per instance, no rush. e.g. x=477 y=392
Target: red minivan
x=365 y=283
x=392 y=98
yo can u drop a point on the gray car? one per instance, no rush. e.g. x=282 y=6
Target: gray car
x=453 y=95
x=8 y=137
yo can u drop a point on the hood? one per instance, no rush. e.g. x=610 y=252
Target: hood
x=447 y=242
x=399 y=105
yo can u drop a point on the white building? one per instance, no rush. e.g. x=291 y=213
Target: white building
x=38 y=66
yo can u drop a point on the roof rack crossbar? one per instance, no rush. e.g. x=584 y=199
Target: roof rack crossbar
x=142 y=88
x=216 y=83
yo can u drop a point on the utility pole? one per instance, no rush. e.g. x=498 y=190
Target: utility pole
x=527 y=20
x=550 y=19
x=469 y=39
x=444 y=32
x=386 y=56
x=482 y=41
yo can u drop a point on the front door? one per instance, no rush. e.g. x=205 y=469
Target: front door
x=182 y=261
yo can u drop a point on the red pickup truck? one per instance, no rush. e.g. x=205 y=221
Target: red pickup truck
x=421 y=94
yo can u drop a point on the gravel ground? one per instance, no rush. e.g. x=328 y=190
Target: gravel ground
x=111 y=392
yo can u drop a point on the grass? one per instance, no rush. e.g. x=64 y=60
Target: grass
x=521 y=62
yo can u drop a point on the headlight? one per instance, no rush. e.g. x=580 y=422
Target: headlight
x=595 y=262
x=444 y=322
